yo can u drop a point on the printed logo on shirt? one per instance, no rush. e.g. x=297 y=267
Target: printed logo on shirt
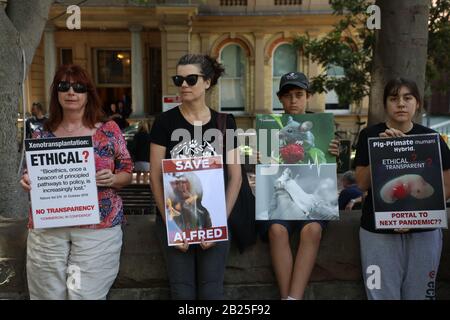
x=192 y=149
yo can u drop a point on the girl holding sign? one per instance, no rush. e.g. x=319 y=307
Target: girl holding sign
x=196 y=270
x=397 y=263
x=90 y=253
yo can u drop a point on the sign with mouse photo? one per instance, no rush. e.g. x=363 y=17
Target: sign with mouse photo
x=295 y=139
x=407 y=183
x=194 y=198
x=296 y=179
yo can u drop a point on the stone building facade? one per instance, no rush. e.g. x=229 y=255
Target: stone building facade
x=252 y=38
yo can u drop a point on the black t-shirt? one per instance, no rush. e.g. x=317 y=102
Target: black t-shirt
x=362 y=159
x=198 y=142
x=141 y=142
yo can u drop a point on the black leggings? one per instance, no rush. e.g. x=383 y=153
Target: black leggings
x=197 y=273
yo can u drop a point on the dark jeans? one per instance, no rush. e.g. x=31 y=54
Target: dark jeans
x=197 y=273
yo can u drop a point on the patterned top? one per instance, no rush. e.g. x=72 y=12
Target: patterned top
x=111 y=152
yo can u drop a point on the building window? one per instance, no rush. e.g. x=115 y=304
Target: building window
x=231 y=3
x=284 y=61
x=113 y=67
x=65 y=56
x=287 y=2
x=332 y=99
x=232 y=83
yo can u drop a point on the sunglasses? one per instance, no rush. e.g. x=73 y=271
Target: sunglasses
x=191 y=79
x=64 y=86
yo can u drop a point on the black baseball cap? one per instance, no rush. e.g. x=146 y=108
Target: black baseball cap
x=293 y=79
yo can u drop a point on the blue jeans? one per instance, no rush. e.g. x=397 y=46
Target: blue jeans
x=197 y=273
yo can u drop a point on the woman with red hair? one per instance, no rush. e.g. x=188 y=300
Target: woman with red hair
x=90 y=251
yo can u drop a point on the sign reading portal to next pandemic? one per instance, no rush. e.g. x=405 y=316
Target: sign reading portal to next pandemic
x=407 y=184
x=63 y=186
x=194 y=196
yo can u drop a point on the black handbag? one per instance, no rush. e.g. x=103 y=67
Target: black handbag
x=242 y=218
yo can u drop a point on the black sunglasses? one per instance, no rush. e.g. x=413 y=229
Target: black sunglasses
x=64 y=86
x=191 y=79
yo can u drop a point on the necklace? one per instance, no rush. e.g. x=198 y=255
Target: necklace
x=72 y=130
x=190 y=118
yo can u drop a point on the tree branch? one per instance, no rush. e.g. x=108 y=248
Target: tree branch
x=29 y=18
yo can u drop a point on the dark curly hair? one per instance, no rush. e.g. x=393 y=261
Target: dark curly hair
x=209 y=66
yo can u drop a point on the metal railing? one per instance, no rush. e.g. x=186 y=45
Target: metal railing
x=442 y=128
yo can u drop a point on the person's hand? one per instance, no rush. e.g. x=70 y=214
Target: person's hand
x=206 y=245
x=391 y=133
x=333 y=148
x=25 y=181
x=184 y=246
x=349 y=205
x=105 y=178
x=352 y=202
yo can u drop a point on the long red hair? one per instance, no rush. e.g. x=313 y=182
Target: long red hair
x=93 y=112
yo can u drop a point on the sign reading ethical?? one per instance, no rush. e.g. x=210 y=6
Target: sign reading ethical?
x=56 y=158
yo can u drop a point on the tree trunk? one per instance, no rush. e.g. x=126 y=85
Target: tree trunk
x=400 y=49
x=21 y=25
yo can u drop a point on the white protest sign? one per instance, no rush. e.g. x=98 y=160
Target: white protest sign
x=194 y=197
x=63 y=187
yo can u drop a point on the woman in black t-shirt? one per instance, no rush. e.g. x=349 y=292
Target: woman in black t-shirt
x=397 y=263
x=195 y=271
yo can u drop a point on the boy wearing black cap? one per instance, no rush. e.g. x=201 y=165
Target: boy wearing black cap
x=293 y=276
x=294 y=92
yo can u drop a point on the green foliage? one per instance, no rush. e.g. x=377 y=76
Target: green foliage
x=438 y=64
x=348 y=45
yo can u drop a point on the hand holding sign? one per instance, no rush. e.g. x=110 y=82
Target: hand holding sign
x=105 y=178
x=60 y=179
x=391 y=133
x=25 y=182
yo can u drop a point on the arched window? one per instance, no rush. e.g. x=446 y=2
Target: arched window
x=232 y=83
x=284 y=61
x=332 y=99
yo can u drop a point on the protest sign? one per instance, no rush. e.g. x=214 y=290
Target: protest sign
x=297 y=180
x=63 y=187
x=407 y=183
x=295 y=139
x=194 y=197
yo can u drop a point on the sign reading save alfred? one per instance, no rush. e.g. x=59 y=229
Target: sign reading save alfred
x=63 y=187
x=407 y=183
x=194 y=196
